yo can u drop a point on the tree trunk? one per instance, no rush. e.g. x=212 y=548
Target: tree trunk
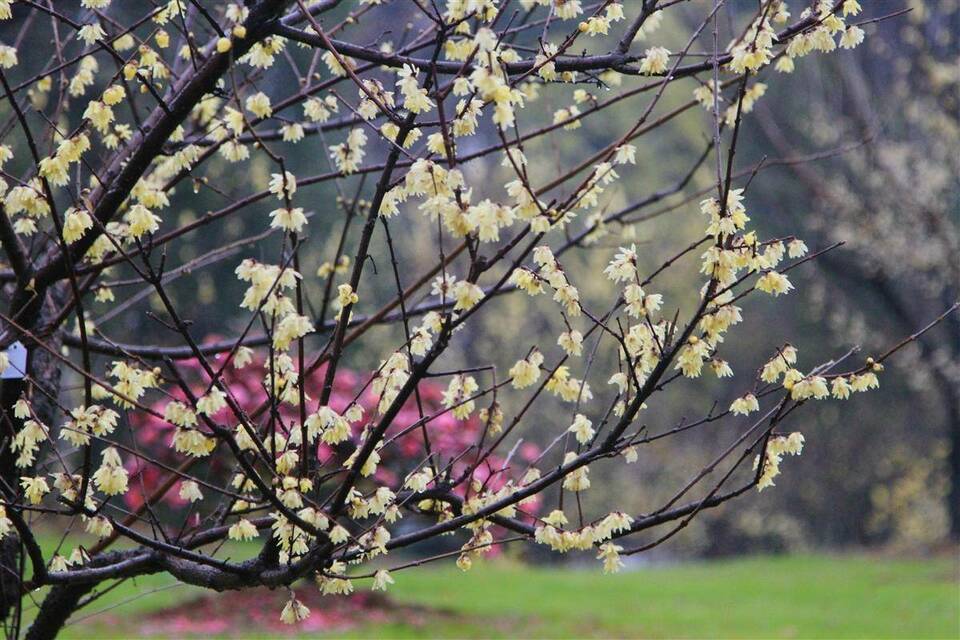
x=56 y=609
x=9 y=482
x=45 y=370
x=953 y=497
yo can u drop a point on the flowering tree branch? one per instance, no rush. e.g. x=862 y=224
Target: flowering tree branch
x=177 y=442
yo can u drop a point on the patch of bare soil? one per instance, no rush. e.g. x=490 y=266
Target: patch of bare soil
x=258 y=611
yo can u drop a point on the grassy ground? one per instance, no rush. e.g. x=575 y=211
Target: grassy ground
x=781 y=597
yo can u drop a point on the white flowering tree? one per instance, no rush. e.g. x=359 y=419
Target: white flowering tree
x=117 y=116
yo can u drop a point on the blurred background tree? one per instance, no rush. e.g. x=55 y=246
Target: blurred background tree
x=892 y=197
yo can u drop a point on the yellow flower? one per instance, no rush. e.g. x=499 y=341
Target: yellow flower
x=381 y=579
x=623 y=267
x=346 y=295
x=75 y=224
x=774 y=283
x=745 y=405
x=864 y=381
x=292 y=327
x=294 y=611
x=610 y=554
x=840 y=388
x=34 y=488
x=582 y=428
x=21 y=408
x=466 y=294
x=851 y=38
x=292 y=132
x=99 y=526
x=56 y=170
x=349 y=154
x=578 y=479
x=141 y=221
x=243 y=529
x=283 y=185
x=90 y=33
x=810 y=387
x=526 y=372
x=192 y=442
x=318 y=110
x=58 y=563
x=179 y=414
x=99 y=114
x=339 y=535
x=334 y=65
x=8 y=56
x=288 y=219
x=111 y=477
x=571 y=342
x=777 y=447
x=190 y=491
x=212 y=402
x=259 y=105
x=655 y=60
x=414 y=97
x=456 y=396
x=526 y=281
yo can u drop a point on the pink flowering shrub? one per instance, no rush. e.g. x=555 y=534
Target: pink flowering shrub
x=452 y=441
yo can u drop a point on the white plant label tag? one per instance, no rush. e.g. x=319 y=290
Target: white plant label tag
x=17 y=353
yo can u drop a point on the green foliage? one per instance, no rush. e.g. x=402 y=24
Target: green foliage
x=766 y=597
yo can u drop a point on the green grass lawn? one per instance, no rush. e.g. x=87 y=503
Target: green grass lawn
x=769 y=597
